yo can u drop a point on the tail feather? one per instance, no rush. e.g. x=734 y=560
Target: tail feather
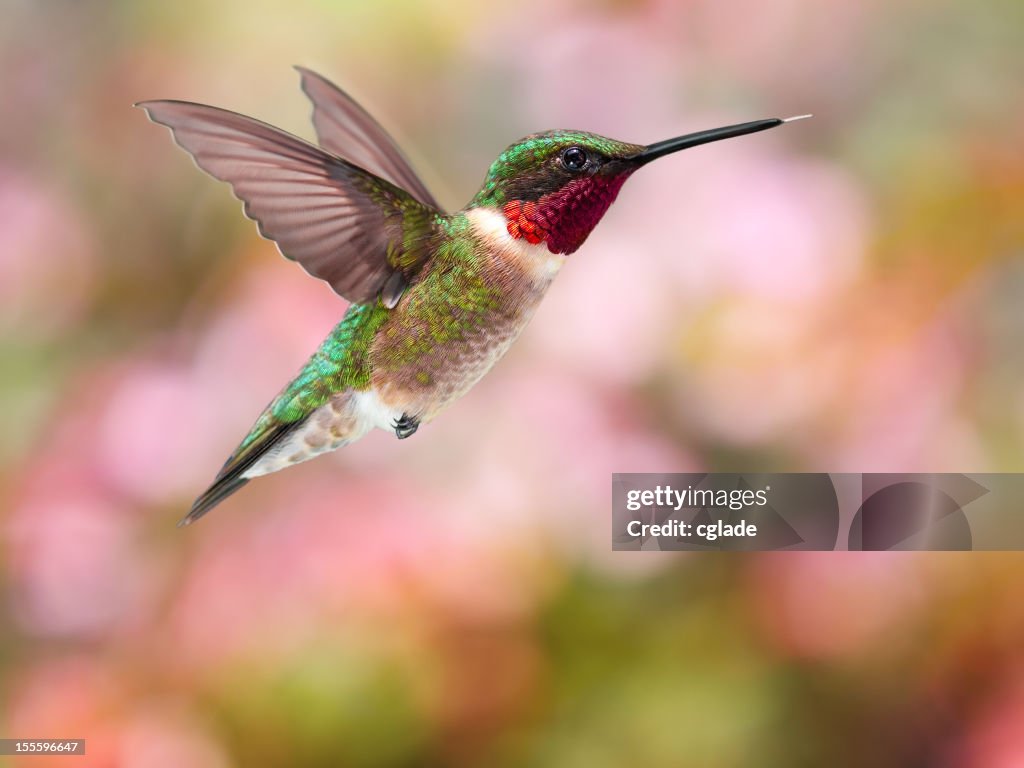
x=211 y=497
x=230 y=478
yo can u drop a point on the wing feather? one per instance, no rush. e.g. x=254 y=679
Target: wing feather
x=341 y=223
x=346 y=129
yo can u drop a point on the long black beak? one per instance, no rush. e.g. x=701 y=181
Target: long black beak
x=667 y=147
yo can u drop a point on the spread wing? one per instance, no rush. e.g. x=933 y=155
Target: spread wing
x=360 y=233
x=346 y=129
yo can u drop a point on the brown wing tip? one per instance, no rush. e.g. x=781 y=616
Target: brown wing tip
x=310 y=80
x=307 y=72
x=153 y=108
x=305 y=75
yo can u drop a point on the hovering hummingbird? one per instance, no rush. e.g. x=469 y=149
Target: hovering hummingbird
x=436 y=298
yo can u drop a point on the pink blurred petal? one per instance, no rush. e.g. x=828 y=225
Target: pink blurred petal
x=74 y=566
x=152 y=442
x=829 y=605
x=165 y=737
x=47 y=272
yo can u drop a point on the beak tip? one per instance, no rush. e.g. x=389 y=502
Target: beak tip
x=662 y=148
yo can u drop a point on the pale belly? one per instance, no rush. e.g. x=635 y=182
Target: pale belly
x=345 y=418
x=349 y=415
x=450 y=330
x=413 y=373
x=439 y=379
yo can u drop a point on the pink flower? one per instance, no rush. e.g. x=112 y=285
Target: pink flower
x=742 y=220
x=571 y=73
x=75 y=566
x=164 y=735
x=610 y=313
x=47 y=272
x=902 y=398
x=832 y=605
x=72 y=696
x=772 y=43
x=80 y=698
x=154 y=441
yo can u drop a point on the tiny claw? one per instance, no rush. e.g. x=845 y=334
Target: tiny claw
x=406 y=426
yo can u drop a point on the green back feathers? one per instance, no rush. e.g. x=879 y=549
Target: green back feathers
x=339 y=364
x=450 y=299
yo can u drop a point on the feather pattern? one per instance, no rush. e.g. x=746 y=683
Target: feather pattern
x=341 y=223
x=346 y=129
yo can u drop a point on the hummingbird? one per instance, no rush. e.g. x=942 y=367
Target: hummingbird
x=436 y=299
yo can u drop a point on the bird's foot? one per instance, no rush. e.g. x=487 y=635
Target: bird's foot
x=406 y=426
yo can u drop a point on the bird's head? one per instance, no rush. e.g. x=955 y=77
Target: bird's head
x=554 y=187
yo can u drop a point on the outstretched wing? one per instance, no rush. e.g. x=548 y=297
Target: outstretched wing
x=360 y=233
x=346 y=129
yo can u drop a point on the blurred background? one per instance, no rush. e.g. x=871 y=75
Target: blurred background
x=843 y=294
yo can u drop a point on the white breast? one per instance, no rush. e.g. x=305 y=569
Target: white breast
x=372 y=412
x=535 y=259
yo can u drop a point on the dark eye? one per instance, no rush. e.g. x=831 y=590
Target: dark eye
x=574 y=159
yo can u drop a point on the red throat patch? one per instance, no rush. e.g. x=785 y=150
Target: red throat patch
x=563 y=218
x=522 y=221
